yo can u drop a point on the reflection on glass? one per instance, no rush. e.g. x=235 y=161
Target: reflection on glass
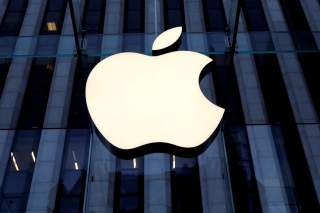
x=243 y=180
x=304 y=39
x=71 y=186
x=14 y=161
x=279 y=111
x=51 y=26
x=17 y=181
x=286 y=136
x=33 y=156
x=173 y=161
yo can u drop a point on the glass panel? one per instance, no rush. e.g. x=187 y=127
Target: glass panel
x=4 y=68
x=218 y=43
x=129 y=191
x=93 y=18
x=78 y=114
x=304 y=39
x=214 y=15
x=13 y=18
x=173 y=14
x=16 y=185
x=185 y=185
x=72 y=181
x=231 y=7
x=243 y=180
x=134 y=16
x=37 y=91
x=54 y=16
x=275 y=94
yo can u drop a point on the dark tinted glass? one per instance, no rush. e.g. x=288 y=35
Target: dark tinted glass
x=254 y=15
x=243 y=181
x=4 y=68
x=185 y=185
x=303 y=40
x=93 y=18
x=274 y=93
x=214 y=15
x=18 y=177
x=54 y=16
x=56 y=5
x=129 y=190
x=36 y=94
x=71 y=186
x=13 y=17
x=173 y=14
x=78 y=114
x=293 y=12
x=134 y=16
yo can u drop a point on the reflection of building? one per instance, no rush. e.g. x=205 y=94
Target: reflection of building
x=265 y=160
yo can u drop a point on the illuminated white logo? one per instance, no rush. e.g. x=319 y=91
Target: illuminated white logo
x=136 y=100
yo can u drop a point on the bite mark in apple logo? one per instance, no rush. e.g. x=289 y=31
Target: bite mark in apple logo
x=141 y=104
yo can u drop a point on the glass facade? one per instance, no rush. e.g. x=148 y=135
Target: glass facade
x=265 y=158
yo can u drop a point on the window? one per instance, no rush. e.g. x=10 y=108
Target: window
x=93 y=18
x=214 y=15
x=133 y=25
x=303 y=40
x=185 y=185
x=134 y=16
x=129 y=186
x=254 y=15
x=279 y=111
x=294 y=12
x=173 y=14
x=243 y=181
x=54 y=16
x=72 y=181
x=4 y=68
x=18 y=177
x=36 y=94
x=13 y=17
x=286 y=134
x=78 y=113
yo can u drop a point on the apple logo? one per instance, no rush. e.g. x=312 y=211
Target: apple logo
x=138 y=101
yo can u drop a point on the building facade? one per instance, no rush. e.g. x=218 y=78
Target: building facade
x=266 y=158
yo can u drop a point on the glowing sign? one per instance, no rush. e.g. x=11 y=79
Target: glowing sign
x=136 y=100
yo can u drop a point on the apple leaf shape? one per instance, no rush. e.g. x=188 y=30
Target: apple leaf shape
x=167 y=38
